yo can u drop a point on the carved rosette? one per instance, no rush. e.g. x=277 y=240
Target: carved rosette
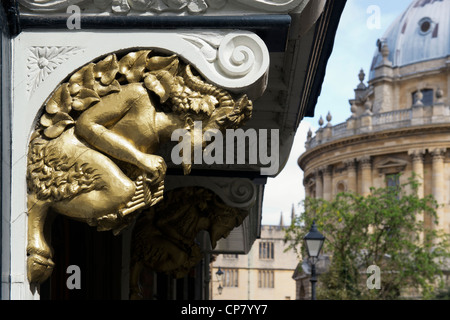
x=42 y=61
x=237 y=61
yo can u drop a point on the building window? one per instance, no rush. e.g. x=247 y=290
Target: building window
x=230 y=256
x=425 y=25
x=426 y=97
x=266 y=250
x=266 y=279
x=393 y=181
x=340 y=187
x=230 y=278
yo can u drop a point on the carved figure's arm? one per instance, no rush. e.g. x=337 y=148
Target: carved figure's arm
x=93 y=127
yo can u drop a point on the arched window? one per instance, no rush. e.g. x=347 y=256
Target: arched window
x=340 y=187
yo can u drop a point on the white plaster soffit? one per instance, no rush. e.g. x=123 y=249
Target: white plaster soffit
x=237 y=61
x=161 y=6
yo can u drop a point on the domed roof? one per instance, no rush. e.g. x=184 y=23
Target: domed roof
x=421 y=33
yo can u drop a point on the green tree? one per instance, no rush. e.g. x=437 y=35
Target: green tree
x=381 y=229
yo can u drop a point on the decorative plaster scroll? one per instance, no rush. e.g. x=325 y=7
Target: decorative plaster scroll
x=160 y=6
x=236 y=59
x=42 y=61
x=272 y=5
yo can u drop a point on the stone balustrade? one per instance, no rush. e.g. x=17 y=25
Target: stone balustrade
x=369 y=123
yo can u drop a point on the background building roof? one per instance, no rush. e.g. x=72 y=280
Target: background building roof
x=421 y=33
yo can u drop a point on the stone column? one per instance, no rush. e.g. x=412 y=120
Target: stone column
x=319 y=184
x=306 y=187
x=327 y=183
x=437 y=176
x=366 y=175
x=417 y=168
x=351 y=175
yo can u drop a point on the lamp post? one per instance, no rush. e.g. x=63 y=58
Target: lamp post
x=219 y=275
x=313 y=241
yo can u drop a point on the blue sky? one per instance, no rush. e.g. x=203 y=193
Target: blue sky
x=354 y=48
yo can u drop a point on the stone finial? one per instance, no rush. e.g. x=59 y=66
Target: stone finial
x=418 y=96
x=439 y=96
x=385 y=51
x=361 y=77
x=383 y=47
x=368 y=107
x=321 y=121
x=353 y=109
x=309 y=136
x=329 y=118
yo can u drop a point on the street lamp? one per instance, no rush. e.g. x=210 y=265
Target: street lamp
x=313 y=241
x=219 y=275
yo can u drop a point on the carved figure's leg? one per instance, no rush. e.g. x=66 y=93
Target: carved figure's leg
x=40 y=264
x=135 y=290
x=115 y=192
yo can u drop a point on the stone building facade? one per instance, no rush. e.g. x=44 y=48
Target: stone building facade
x=265 y=273
x=400 y=121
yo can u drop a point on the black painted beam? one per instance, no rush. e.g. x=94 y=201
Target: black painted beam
x=273 y=29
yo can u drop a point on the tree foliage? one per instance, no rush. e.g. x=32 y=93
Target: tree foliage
x=382 y=229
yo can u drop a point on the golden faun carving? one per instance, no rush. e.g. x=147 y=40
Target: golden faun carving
x=92 y=154
x=164 y=237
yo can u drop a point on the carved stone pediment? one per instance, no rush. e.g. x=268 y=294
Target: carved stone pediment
x=391 y=166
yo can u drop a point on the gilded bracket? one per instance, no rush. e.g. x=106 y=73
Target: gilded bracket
x=92 y=154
